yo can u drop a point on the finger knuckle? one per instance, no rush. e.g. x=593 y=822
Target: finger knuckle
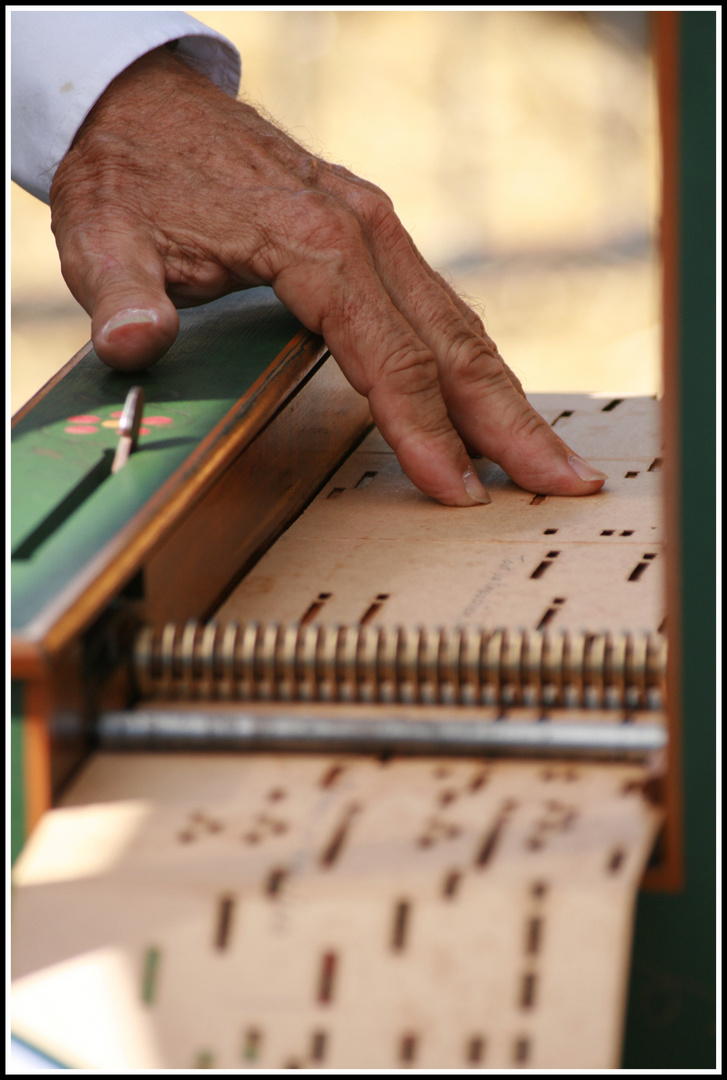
x=381 y=219
x=469 y=360
x=319 y=222
x=308 y=170
x=415 y=412
x=375 y=210
x=476 y=323
x=410 y=370
x=525 y=422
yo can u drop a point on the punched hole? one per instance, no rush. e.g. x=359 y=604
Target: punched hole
x=451 y=884
x=370 y=612
x=365 y=480
x=252 y=1044
x=540 y=569
x=547 y=617
x=492 y=838
x=331 y=775
x=616 y=860
x=311 y=612
x=527 y=991
x=408 y=1048
x=562 y=416
x=224 y=921
x=401 y=925
x=318 y=1046
x=333 y=848
x=327 y=977
x=533 y=935
x=477 y=781
x=275 y=881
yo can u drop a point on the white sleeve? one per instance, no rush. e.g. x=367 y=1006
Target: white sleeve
x=62 y=61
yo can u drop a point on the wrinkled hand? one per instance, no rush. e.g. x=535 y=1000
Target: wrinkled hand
x=175 y=194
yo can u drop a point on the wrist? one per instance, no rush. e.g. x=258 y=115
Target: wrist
x=144 y=97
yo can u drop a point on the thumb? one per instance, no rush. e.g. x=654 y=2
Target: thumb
x=120 y=281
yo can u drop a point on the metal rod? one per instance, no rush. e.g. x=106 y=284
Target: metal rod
x=151 y=729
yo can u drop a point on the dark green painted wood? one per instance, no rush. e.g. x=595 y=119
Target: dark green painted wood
x=672 y=1013
x=221 y=350
x=17 y=788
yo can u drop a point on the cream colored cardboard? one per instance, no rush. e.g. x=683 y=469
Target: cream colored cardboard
x=429 y=913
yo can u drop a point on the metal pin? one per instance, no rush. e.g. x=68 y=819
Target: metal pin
x=128 y=428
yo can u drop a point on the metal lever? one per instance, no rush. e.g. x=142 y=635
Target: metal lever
x=128 y=428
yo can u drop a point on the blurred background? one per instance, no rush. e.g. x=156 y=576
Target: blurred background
x=520 y=150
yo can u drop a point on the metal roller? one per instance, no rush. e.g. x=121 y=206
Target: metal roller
x=398 y=665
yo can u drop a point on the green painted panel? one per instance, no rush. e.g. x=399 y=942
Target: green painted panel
x=672 y=1011
x=65 y=506
x=17 y=788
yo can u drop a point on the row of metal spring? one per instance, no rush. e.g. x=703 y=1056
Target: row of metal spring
x=463 y=666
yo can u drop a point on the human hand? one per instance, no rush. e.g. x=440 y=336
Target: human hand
x=175 y=194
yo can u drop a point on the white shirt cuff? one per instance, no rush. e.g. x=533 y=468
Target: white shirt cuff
x=62 y=61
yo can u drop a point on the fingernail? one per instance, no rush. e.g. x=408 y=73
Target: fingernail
x=127 y=317
x=474 y=488
x=584 y=470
